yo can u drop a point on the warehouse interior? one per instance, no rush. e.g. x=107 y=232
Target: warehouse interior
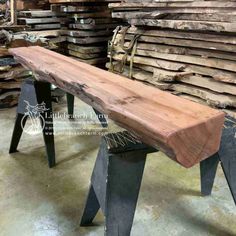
x=179 y=56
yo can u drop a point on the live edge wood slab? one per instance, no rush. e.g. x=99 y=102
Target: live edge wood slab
x=186 y=131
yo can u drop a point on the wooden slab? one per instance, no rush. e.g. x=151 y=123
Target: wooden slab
x=186 y=131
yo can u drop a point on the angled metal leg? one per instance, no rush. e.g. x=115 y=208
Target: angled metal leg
x=34 y=93
x=123 y=184
x=43 y=93
x=91 y=209
x=17 y=132
x=227 y=155
x=70 y=105
x=208 y=170
x=101 y=118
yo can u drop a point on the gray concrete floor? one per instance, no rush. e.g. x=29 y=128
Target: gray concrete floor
x=38 y=201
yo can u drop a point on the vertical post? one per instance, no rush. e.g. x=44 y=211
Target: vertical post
x=13 y=12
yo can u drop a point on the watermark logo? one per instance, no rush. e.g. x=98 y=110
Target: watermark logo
x=36 y=122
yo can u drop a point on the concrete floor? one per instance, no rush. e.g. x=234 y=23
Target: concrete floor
x=38 y=201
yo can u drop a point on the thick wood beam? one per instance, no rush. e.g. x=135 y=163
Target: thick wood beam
x=186 y=131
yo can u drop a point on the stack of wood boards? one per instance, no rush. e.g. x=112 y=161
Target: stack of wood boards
x=89 y=30
x=185 y=47
x=11 y=76
x=44 y=24
x=40 y=20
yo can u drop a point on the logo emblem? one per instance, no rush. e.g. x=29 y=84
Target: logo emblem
x=35 y=125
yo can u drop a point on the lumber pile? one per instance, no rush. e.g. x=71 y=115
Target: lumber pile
x=184 y=47
x=44 y=24
x=40 y=20
x=158 y=118
x=11 y=76
x=89 y=30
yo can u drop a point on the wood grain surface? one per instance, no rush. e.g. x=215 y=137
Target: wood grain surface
x=186 y=131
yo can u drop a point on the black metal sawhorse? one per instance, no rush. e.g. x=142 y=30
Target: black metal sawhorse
x=118 y=171
x=33 y=94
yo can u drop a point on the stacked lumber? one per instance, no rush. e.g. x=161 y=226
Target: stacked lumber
x=184 y=47
x=40 y=20
x=11 y=76
x=44 y=24
x=89 y=30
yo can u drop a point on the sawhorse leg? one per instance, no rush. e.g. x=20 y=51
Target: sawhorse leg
x=226 y=156
x=70 y=107
x=33 y=94
x=70 y=104
x=115 y=184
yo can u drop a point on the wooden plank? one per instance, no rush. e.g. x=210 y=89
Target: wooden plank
x=216 y=13
x=161 y=76
x=173 y=4
x=42 y=34
x=220 y=75
x=101 y=14
x=10 y=85
x=4 y=52
x=188 y=132
x=196 y=60
x=97 y=21
x=187 y=25
x=86 y=33
x=37 y=14
x=93 y=27
x=88 y=40
x=213 y=37
x=31 y=21
x=217 y=17
x=186 y=43
x=76 y=8
x=15 y=72
x=94 y=61
x=214 y=99
x=86 y=49
x=181 y=51
x=9 y=99
x=86 y=56
x=46 y=26
x=82 y=1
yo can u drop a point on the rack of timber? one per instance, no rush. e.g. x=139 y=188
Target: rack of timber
x=185 y=47
x=44 y=24
x=11 y=77
x=90 y=28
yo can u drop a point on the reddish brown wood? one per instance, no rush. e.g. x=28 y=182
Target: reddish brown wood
x=186 y=131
